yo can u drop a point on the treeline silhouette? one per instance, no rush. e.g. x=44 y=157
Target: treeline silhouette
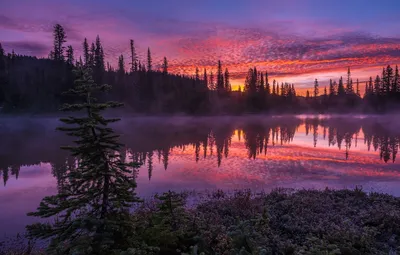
x=30 y=84
x=205 y=139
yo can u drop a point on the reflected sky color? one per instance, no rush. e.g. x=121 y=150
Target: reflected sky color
x=295 y=41
x=205 y=154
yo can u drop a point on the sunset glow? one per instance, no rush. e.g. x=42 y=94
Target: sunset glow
x=295 y=41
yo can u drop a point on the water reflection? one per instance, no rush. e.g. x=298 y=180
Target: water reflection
x=150 y=142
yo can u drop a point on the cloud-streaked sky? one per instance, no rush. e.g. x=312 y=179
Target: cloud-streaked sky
x=294 y=40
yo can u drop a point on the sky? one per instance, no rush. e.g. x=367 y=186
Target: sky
x=296 y=41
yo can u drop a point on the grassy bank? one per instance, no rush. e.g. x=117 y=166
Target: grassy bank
x=280 y=222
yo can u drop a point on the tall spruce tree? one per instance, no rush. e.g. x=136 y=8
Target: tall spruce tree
x=133 y=56
x=220 y=79
x=91 y=213
x=227 y=84
x=341 y=90
x=59 y=40
x=349 y=85
x=316 y=89
x=86 y=54
x=165 y=66
x=149 y=61
x=205 y=78
x=70 y=55
x=396 y=81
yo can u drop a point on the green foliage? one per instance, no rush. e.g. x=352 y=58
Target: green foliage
x=91 y=212
x=168 y=226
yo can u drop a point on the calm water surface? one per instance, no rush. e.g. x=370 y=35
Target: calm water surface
x=180 y=153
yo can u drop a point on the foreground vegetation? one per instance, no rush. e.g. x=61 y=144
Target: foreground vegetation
x=280 y=222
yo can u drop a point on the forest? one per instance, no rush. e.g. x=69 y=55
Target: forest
x=35 y=85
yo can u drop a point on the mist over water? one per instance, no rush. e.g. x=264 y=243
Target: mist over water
x=186 y=153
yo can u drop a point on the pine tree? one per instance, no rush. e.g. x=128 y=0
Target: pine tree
x=2 y=53
x=197 y=74
x=149 y=61
x=220 y=81
x=92 y=211
x=59 y=40
x=205 y=78
x=121 y=65
x=267 y=87
x=370 y=86
x=316 y=89
x=211 y=83
x=70 y=55
x=396 y=81
x=228 y=87
x=341 y=90
x=86 y=54
x=98 y=56
x=389 y=82
x=277 y=89
x=331 y=89
x=134 y=66
x=349 y=85
x=273 y=88
x=384 y=83
x=358 y=88
x=91 y=55
x=165 y=66
x=377 y=86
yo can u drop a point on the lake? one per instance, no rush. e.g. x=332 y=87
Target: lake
x=207 y=153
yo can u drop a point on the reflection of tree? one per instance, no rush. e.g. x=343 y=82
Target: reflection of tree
x=382 y=140
x=165 y=155
x=150 y=164
x=145 y=140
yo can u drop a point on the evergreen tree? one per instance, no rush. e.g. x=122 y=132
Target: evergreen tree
x=220 y=81
x=389 y=80
x=149 y=61
x=91 y=55
x=396 y=81
x=332 y=91
x=134 y=66
x=267 y=87
x=316 y=89
x=273 y=88
x=165 y=66
x=377 y=86
x=121 y=65
x=341 y=90
x=384 y=83
x=2 y=53
x=349 y=85
x=370 y=86
x=205 y=78
x=227 y=85
x=197 y=74
x=92 y=210
x=358 y=88
x=98 y=56
x=211 y=83
x=277 y=89
x=86 y=54
x=59 y=40
x=70 y=55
